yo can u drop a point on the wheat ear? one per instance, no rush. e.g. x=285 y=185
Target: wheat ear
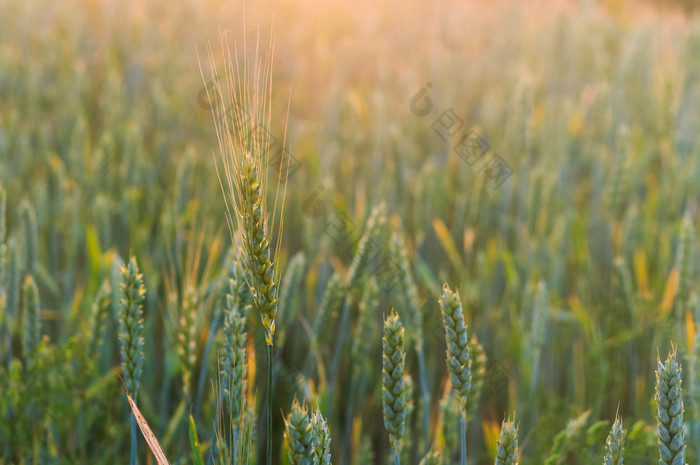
x=669 y=401
x=321 y=439
x=458 y=362
x=615 y=444
x=299 y=435
x=393 y=392
x=507 y=444
x=31 y=318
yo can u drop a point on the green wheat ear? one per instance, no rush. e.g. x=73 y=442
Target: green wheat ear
x=321 y=439
x=30 y=237
x=458 y=362
x=299 y=435
x=393 y=392
x=431 y=458
x=31 y=318
x=132 y=294
x=256 y=246
x=478 y=372
x=233 y=369
x=507 y=444
x=615 y=445
x=669 y=401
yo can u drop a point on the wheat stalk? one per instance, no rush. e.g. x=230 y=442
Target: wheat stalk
x=393 y=391
x=669 y=401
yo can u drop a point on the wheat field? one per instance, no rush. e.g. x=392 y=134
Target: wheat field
x=355 y=233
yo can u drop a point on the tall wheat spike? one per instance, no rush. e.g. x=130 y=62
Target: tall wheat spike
x=458 y=362
x=132 y=295
x=507 y=444
x=669 y=401
x=393 y=391
x=299 y=436
x=242 y=113
x=615 y=444
x=321 y=439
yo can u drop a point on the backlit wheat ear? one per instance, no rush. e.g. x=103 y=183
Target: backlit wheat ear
x=393 y=392
x=507 y=444
x=257 y=246
x=31 y=318
x=132 y=293
x=669 y=401
x=615 y=444
x=299 y=435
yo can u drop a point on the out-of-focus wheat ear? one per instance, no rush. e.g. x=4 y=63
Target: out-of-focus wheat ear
x=615 y=444
x=30 y=237
x=393 y=392
x=289 y=292
x=3 y=217
x=237 y=286
x=538 y=329
x=234 y=363
x=321 y=439
x=187 y=338
x=431 y=458
x=132 y=294
x=3 y=232
x=332 y=300
x=12 y=280
x=507 y=444
x=256 y=245
x=406 y=293
x=298 y=435
x=368 y=247
x=408 y=395
x=407 y=299
x=669 y=403
x=458 y=362
x=364 y=454
x=31 y=318
x=98 y=316
x=684 y=258
x=362 y=334
x=478 y=372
